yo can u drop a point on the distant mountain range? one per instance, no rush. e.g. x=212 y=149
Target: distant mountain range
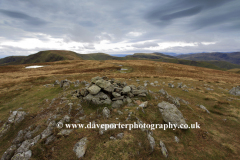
x=233 y=57
x=220 y=61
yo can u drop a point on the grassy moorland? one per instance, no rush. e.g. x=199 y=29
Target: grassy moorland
x=218 y=137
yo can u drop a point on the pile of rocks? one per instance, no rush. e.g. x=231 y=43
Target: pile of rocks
x=101 y=90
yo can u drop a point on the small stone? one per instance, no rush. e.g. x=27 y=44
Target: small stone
x=144 y=104
x=65 y=132
x=176 y=139
x=119 y=112
x=106 y=112
x=163 y=149
x=112 y=138
x=120 y=135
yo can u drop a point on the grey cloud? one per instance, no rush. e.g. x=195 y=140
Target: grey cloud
x=145 y=45
x=183 y=13
x=18 y=15
x=93 y=21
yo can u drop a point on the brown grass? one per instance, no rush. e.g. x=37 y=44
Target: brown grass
x=217 y=139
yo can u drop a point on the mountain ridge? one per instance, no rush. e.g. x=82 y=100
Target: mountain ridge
x=60 y=55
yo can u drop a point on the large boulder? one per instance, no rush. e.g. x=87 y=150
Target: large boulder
x=80 y=147
x=171 y=114
x=235 y=91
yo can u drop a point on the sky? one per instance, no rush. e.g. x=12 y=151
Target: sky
x=119 y=27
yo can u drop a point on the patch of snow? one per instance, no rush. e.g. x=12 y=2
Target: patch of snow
x=34 y=66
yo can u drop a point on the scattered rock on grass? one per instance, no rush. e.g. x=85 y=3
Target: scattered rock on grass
x=80 y=147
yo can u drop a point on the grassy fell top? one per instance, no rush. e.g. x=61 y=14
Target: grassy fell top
x=217 y=139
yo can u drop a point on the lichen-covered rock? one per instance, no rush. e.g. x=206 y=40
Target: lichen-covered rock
x=4 y=129
x=117 y=103
x=7 y=155
x=19 y=138
x=49 y=130
x=106 y=85
x=126 y=90
x=100 y=98
x=22 y=156
x=80 y=147
x=115 y=94
x=20 y=116
x=11 y=118
x=171 y=114
x=25 y=146
x=94 y=89
x=50 y=139
x=94 y=79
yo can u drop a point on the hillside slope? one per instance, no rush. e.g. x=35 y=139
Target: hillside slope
x=11 y=59
x=60 y=55
x=50 y=56
x=229 y=57
x=219 y=65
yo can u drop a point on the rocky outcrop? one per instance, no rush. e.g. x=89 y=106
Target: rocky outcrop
x=22 y=156
x=7 y=155
x=16 y=117
x=171 y=114
x=49 y=130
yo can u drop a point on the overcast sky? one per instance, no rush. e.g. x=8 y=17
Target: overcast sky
x=119 y=26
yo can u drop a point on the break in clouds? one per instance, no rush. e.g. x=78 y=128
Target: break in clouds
x=115 y=27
